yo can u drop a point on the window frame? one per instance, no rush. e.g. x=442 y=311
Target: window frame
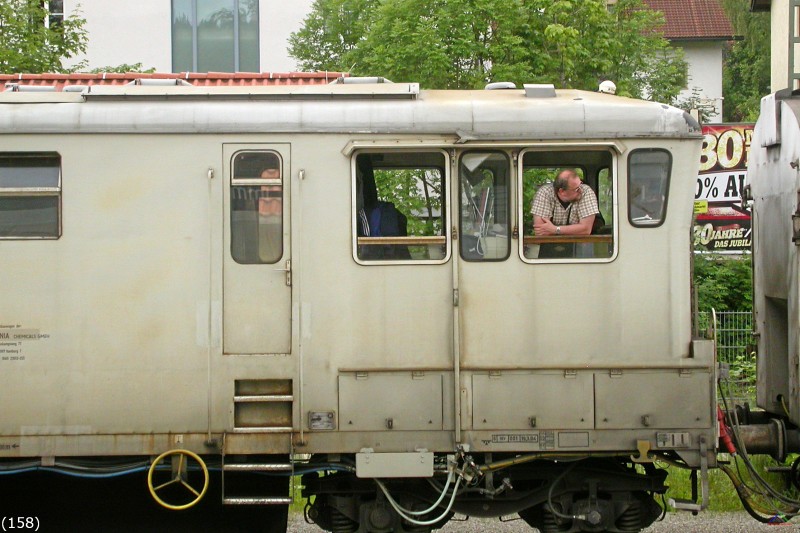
x=445 y=199
x=257 y=182
x=55 y=17
x=33 y=192
x=195 y=44
x=664 y=211
x=614 y=151
x=509 y=205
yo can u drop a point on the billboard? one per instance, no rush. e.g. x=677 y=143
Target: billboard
x=722 y=223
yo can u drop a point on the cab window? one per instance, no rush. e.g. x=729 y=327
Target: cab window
x=591 y=197
x=648 y=183
x=30 y=195
x=485 y=230
x=398 y=209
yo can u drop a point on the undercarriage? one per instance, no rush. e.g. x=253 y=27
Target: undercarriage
x=554 y=495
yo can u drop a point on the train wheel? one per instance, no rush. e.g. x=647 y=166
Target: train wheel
x=178 y=485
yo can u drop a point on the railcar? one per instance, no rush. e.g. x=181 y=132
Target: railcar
x=340 y=285
x=772 y=191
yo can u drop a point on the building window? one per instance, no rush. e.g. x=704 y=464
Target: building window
x=207 y=37
x=399 y=213
x=257 y=208
x=56 y=17
x=30 y=195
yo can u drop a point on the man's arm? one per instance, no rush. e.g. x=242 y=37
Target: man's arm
x=584 y=227
x=542 y=211
x=542 y=227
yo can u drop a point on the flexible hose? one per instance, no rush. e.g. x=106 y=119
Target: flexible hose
x=402 y=512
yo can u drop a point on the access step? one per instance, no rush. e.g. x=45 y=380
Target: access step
x=257 y=501
x=257 y=467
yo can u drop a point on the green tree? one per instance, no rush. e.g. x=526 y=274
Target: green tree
x=331 y=32
x=123 y=68
x=467 y=43
x=746 y=71
x=27 y=45
x=585 y=42
x=723 y=283
x=442 y=43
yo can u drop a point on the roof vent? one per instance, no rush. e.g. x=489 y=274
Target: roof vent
x=17 y=88
x=75 y=88
x=158 y=82
x=500 y=85
x=362 y=79
x=540 y=90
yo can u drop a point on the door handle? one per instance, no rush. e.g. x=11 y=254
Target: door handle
x=288 y=271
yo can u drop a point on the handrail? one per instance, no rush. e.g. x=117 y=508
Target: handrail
x=566 y=239
x=528 y=239
x=411 y=240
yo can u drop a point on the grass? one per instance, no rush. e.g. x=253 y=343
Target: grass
x=723 y=496
x=298 y=500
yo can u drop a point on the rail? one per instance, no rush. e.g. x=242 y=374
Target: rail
x=567 y=239
x=412 y=240
x=550 y=239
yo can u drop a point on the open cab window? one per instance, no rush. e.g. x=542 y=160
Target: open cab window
x=399 y=211
x=539 y=170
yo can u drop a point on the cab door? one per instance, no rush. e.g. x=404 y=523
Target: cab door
x=257 y=276
x=487 y=274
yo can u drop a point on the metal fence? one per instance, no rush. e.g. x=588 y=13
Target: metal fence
x=736 y=347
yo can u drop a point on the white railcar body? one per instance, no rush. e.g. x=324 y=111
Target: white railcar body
x=133 y=327
x=773 y=183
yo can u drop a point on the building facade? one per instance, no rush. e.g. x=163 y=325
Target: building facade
x=190 y=35
x=701 y=29
x=784 y=70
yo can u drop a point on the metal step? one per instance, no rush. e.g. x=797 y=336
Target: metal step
x=684 y=505
x=256 y=501
x=266 y=429
x=257 y=467
x=264 y=398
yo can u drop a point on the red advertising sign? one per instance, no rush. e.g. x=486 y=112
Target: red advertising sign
x=722 y=224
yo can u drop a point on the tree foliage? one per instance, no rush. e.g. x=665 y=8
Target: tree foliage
x=746 y=72
x=330 y=33
x=723 y=283
x=29 y=46
x=467 y=43
x=123 y=68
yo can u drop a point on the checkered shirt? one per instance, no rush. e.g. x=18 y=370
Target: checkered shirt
x=546 y=205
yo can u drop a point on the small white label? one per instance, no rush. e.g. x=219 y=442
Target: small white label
x=673 y=440
x=321 y=420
